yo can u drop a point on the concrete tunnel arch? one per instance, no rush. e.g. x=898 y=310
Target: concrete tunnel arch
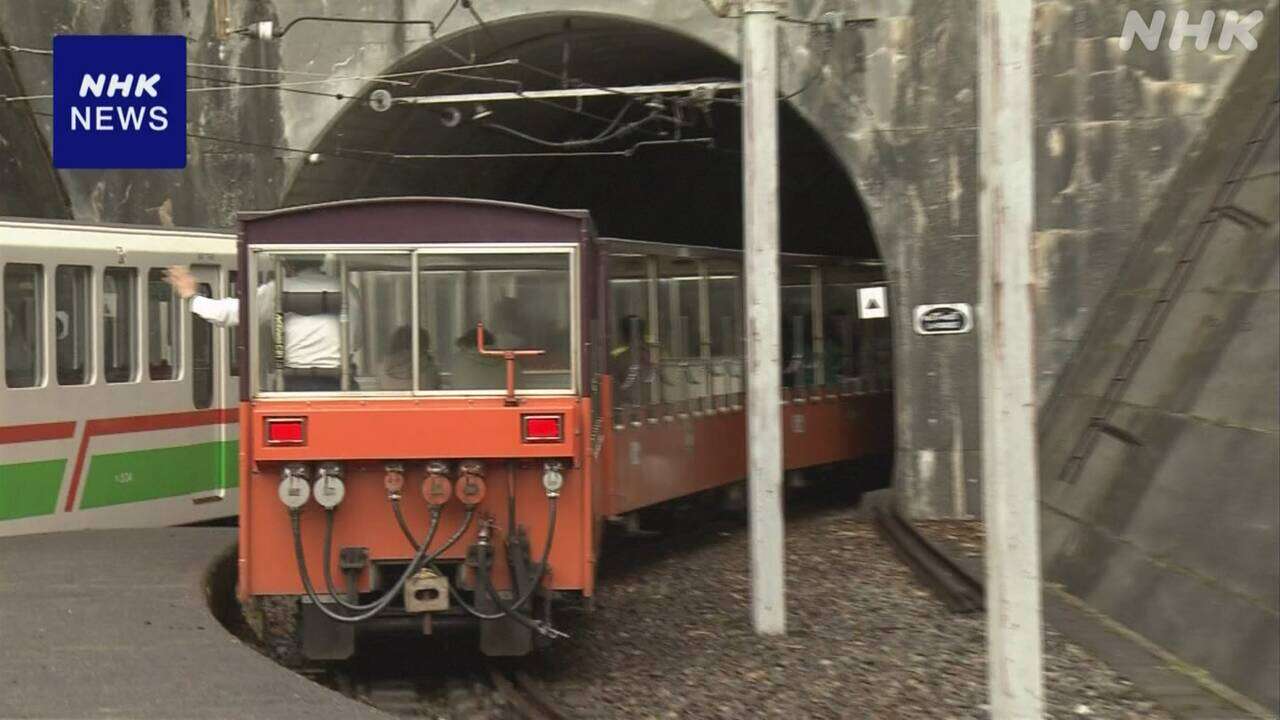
x=683 y=193
x=673 y=193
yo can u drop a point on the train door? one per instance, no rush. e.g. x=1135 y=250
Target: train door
x=209 y=387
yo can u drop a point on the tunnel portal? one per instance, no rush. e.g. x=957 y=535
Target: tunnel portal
x=637 y=182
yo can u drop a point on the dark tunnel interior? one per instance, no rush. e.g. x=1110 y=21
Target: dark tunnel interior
x=637 y=184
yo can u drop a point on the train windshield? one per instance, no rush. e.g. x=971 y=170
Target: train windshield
x=362 y=306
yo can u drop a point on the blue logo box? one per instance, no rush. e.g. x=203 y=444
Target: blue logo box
x=119 y=101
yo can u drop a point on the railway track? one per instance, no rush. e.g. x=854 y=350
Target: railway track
x=525 y=695
x=487 y=692
x=957 y=590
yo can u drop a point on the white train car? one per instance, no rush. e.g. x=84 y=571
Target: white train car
x=118 y=407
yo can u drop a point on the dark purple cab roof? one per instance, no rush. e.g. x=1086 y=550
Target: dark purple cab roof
x=415 y=220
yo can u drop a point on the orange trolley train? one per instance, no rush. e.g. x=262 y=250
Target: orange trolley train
x=448 y=398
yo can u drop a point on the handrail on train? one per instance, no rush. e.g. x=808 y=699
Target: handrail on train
x=508 y=355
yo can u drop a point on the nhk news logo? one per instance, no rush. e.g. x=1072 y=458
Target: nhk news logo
x=119 y=101
x=1232 y=28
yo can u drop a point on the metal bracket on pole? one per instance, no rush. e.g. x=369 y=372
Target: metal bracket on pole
x=381 y=100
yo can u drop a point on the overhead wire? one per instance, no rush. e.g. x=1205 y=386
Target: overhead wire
x=390 y=78
x=627 y=152
x=218 y=66
x=447 y=14
x=242 y=84
x=383 y=157
x=33 y=51
x=847 y=22
x=566 y=80
x=612 y=130
x=609 y=133
x=484 y=27
x=519 y=89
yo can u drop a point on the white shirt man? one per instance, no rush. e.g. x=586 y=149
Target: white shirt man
x=311 y=342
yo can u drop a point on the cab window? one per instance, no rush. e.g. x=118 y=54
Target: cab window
x=524 y=301
x=344 y=322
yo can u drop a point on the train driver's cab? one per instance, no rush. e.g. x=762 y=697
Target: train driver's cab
x=405 y=321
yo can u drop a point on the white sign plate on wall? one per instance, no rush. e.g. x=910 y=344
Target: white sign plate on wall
x=944 y=319
x=871 y=302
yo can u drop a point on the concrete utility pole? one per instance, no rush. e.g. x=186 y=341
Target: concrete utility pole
x=764 y=365
x=1010 y=485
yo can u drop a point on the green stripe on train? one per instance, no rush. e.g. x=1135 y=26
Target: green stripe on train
x=29 y=489
x=138 y=475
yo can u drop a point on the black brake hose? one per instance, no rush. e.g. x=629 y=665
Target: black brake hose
x=453 y=591
x=408 y=534
x=510 y=611
x=515 y=606
x=300 y=556
x=403 y=524
x=546 y=555
x=328 y=553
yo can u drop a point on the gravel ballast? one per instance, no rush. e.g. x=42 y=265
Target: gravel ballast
x=671 y=637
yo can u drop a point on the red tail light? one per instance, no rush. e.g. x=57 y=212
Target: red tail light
x=286 y=431
x=543 y=428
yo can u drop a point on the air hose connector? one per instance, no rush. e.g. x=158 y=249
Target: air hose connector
x=552 y=477
x=393 y=481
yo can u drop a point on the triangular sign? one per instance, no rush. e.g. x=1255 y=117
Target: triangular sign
x=871 y=302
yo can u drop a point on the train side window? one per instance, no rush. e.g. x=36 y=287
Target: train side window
x=119 y=324
x=797 y=336
x=683 y=373
x=841 y=326
x=164 y=328
x=72 y=288
x=628 y=328
x=233 y=353
x=202 y=356
x=23 y=325
x=724 y=318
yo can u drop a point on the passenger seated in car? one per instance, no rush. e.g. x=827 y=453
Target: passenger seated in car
x=396 y=372
x=629 y=356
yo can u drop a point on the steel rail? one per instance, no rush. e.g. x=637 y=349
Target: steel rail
x=956 y=588
x=525 y=696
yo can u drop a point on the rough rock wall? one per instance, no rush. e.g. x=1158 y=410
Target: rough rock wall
x=1160 y=447
x=1112 y=127
x=896 y=103
x=28 y=185
x=219 y=178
